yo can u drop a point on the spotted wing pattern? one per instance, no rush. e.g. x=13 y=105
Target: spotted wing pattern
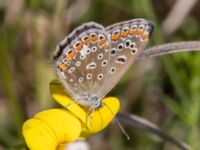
x=128 y=39
x=81 y=61
x=92 y=59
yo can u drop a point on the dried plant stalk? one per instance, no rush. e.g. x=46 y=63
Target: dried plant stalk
x=170 y=48
x=144 y=125
x=177 y=15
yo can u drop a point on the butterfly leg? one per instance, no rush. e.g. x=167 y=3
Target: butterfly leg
x=117 y=121
x=89 y=116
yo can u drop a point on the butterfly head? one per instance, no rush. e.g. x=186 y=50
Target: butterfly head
x=90 y=100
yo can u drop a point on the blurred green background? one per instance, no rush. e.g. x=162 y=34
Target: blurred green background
x=165 y=90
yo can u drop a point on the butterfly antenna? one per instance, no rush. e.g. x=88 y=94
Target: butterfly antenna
x=118 y=122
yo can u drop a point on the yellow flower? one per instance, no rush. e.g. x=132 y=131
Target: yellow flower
x=53 y=128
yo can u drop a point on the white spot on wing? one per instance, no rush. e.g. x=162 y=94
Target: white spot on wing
x=112 y=70
x=133 y=51
x=104 y=63
x=78 y=63
x=100 y=76
x=94 y=49
x=72 y=69
x=91 y=65
x=84 y=50
x=80 y=79
x=121 y=59
x=89 y=76
x=71 y=80
x=100 y=56
x=63 y=74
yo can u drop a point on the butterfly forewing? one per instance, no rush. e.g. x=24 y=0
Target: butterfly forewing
x=83 y=61
x=127 y=39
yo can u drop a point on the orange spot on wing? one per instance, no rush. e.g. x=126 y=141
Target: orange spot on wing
x=62 y=66
x=139 y=32
x=132 y=31
x=94 y=38
x=101 y=42
x=115 y=36
x=70 y=54
x=124 y=34
x=107 y=46
x=78 y=47
x=87 y=41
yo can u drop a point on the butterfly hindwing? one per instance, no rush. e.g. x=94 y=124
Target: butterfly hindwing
x=127 y=39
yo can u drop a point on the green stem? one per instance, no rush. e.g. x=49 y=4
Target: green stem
x=8 y=84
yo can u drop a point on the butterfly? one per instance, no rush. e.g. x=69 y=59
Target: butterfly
x=92 y=59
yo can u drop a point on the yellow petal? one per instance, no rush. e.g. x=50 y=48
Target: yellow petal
x=38 y=135
x=95 y=121
x=50 y=128
x=59 y=95
x=102 y=116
